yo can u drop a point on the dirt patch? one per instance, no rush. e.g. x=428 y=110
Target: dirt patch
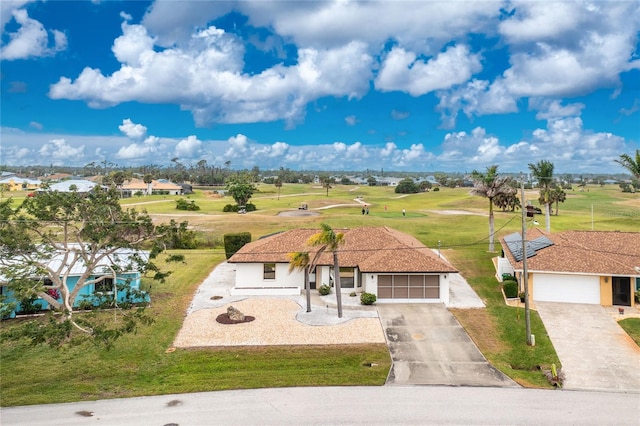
x=482 y=329
x=298 y=213
x=224 y=319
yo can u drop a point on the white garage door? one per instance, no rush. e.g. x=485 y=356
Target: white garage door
x=566 y=288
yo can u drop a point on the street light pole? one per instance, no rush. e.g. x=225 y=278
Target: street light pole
x=525 y=273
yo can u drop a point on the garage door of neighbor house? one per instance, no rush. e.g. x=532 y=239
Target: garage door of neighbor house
x=406 y=287
x=566 y=288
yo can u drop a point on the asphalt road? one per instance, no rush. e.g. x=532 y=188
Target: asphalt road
x=387 y=405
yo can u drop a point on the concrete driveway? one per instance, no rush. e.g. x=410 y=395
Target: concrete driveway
x=596 y=354
x=429 y=347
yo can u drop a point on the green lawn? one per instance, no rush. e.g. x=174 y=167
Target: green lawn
x=632 y=327
x=140 y=365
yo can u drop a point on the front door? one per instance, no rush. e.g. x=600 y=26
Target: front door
x=621 y=288
x=312 y=279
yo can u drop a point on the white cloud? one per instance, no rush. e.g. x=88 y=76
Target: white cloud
x=133 y=130
x=278 y=149
x=403 y=71
x=399 y=115
x=204 y=75
x=141 y=151
x=190 y=147
x=471 y=150
x=357 y=151
x=388 y=149
x=238 y=147
x=31 y=39
x=326 y=25
x=35 y=125
x=351 y=120
x=551 y=109
x=59 y=149
x=535 y=20
x=477 y=97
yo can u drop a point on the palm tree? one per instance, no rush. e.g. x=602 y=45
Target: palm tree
x=489 y=186
x=278 y=184
x=558 y=196
x=148 y=179
x=543 y=172
x=327 y=239
x=300 y=260
x=628 y=163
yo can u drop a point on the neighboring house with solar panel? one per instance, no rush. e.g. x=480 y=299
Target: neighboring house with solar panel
x=394 y=266
x=595 y=267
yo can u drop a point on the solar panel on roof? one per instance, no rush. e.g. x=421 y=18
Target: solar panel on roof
x=541 y=243
x=514 y=243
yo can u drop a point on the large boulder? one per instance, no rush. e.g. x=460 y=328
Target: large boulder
x=234 y=314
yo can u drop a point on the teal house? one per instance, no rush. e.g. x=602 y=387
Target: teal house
x=115 y=280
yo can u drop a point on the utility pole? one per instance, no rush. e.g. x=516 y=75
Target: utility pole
x=525 y=273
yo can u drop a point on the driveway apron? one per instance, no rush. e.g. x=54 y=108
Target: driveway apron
x=596 y=354
x=429 y=347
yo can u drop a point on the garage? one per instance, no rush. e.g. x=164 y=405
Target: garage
x=566 y=288
x=408 y=287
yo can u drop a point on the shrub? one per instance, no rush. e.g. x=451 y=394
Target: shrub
x=510 y=289
x=353 y=294
x=637 y=296
x=234 y=242
x=368 y=298
x=233 y=208
x=85 y=304
x=437 y=188
x=324 y=289
x=182 y=204
x=29 y=305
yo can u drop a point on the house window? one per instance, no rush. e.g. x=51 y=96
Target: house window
x=104 y=286
x=347 y=277
x=269 y=271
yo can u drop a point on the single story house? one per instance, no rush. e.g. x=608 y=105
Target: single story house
x=127 y=277
x=79 y=185
x=160 y=186
x=596 y=267
x=394 y=266
x=15 y=183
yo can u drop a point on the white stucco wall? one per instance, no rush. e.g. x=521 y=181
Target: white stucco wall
x=504 y=267
x=250 y=275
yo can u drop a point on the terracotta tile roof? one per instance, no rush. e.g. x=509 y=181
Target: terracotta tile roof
x=138 y=184
x=371 y=249
x=587 y=252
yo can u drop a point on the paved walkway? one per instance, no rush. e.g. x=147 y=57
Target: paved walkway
x=429 y=347
x=596 y=354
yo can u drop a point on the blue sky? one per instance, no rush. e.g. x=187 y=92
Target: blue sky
x=337 y=85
